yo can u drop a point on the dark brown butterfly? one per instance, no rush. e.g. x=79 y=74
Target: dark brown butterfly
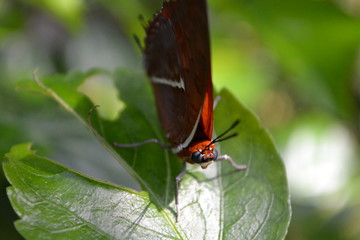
x=177 y=62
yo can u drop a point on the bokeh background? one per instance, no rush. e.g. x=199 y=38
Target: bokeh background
x=295 y=63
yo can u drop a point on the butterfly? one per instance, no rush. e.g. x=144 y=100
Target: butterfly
x=177 y=63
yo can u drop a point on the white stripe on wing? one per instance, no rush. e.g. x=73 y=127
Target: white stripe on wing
x=169 y=82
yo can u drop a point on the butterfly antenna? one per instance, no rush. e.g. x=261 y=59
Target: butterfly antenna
x=225 y=138
x=220 y=138
x=228 y=130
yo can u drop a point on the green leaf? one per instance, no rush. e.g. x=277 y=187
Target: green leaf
x=57 y=203
x=216 y=203
x=256 y=204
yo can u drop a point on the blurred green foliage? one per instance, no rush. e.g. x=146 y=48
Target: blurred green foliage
x=295 y=63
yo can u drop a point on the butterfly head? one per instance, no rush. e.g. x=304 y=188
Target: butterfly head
x=204 y=154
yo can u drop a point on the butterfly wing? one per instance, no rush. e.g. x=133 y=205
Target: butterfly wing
x=177 y=61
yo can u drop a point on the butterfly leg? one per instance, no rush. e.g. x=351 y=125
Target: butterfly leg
x=138 y=43
x=231 y=161
x=216 y=101
x=119 y=145
x=152 y=140
x=177 y=181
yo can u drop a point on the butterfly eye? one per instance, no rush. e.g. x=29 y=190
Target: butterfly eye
x=197 y=157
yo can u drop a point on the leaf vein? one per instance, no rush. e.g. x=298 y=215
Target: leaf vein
x=265 y=219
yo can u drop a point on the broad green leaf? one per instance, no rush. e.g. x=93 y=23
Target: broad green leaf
x=216 y=203
x=57 y=203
